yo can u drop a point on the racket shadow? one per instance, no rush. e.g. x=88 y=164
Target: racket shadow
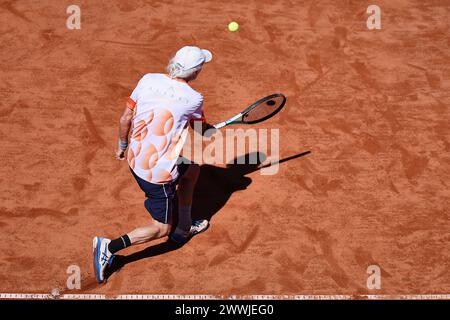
x=213 y=190
x=216 y=184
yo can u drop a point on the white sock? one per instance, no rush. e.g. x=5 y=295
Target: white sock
x=184 y=218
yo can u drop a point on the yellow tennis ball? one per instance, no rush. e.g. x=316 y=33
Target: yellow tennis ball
x=233 y=26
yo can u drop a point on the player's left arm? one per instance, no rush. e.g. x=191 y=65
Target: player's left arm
x=198 y=120
x=124 y=129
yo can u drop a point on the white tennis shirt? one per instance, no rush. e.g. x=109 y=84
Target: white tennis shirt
x=162 y=110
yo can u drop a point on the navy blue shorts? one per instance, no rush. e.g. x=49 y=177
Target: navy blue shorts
x=160 y=197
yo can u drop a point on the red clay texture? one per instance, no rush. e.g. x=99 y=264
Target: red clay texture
x=372 y=106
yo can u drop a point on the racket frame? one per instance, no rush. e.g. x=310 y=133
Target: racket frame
x=251 y=107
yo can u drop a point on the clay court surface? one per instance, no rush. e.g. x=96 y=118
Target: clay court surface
x=372 y=106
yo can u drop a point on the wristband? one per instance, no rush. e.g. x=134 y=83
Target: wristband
x=123 y=144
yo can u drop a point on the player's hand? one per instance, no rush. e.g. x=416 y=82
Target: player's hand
x=209 y=130
x=120 y=154
x=121 y=147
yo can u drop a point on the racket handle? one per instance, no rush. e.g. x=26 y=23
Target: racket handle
x=220 y=125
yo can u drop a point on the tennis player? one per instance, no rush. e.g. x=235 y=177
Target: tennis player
x=159 y=112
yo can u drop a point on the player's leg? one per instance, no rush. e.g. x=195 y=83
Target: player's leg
x=186 y=187
x=104 y=249
x=186 y=228
x=159 y=204
x=152 y=231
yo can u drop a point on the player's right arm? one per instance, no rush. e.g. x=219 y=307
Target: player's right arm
x=124 y=129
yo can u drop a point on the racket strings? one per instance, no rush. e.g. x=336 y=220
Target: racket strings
x=264 y=109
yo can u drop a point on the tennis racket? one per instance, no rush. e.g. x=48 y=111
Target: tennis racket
x=259 y=111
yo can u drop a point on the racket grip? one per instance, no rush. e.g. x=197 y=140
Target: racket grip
x=220 y=125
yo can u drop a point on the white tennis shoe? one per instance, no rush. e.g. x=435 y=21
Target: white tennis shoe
x=180 y=236
x=102 y=257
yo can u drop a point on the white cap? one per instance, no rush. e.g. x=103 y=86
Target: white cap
x=190 y=57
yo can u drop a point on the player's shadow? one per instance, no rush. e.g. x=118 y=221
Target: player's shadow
x=214 y=188
x=215 y=185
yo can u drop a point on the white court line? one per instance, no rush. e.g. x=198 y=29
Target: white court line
x=48 y=296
